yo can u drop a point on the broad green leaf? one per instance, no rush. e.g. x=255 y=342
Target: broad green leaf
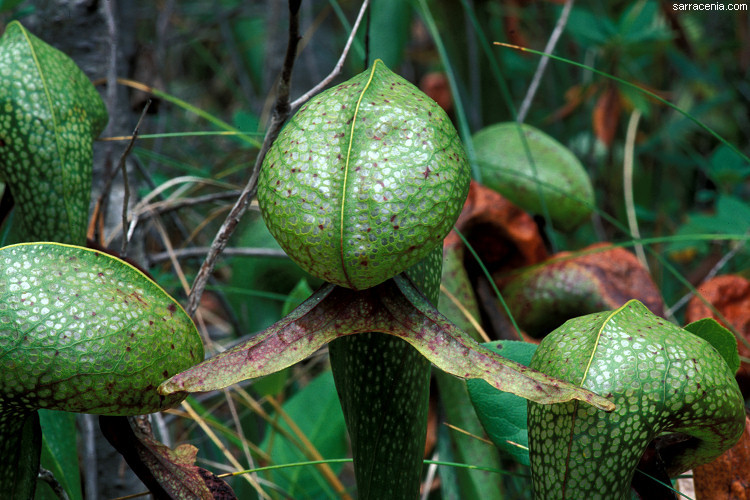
x=395 y=307
x=731 y=216
x=85 y=332
x=60 y=453
x=662 y=379
x=726 y=168
x=389 y=31
x=720 y=338
x=503 y=414
x=317 y=412
x=49 y=115
x=364 y=181
x=556 y=174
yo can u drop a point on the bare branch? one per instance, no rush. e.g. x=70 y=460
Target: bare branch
x=198 y=252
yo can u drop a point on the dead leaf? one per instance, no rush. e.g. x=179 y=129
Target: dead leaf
x=597 y=278
x=730 y=295
x=504 y=236
x=166 y=473
x=727 y=477
x=606 y=115
x=437 y=87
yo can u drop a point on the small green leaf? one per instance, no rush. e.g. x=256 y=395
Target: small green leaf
x=297 y=296
x=503 y=414
x=49 y=115
x=719 y=337
x=82 y=331
x=556 y=180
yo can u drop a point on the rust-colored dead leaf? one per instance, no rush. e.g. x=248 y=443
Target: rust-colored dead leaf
x=504 y=236
x=436 y=86
x=606 y=115
x=727 y=477
x=167 y=473
x=574 y=97
x=597 y=278
x=730 y=295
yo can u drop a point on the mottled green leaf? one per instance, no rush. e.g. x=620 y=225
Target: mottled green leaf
x=83 y=331
x=364 y=181
x=720 y=338
x=20 y=446
x=503 y=414
x=663 y=379
x=386 y=467
x=555 y=180
x=49 y=115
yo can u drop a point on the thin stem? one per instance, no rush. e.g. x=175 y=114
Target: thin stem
x=198 y=252
x=551 y=43
x=49 y=478
x=627 y=186
x=281 y=112
x=126 y=185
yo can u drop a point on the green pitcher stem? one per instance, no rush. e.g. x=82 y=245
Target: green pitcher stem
x=20 y=447
x=383 y=384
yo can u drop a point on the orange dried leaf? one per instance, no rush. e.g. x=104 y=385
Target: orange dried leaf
x=727 y=477
x=504 y=236
x=571 y=284
x=730 y=295
x=606 y=115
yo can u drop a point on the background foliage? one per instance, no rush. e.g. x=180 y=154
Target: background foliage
x=691 y=195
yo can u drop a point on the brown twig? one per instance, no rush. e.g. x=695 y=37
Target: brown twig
x=198 y=252
x=125 y=184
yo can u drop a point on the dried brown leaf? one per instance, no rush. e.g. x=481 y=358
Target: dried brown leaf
x=606 y=115
x=727 y=477
x=504 y=236
x=598 y=278
x=730 y=295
